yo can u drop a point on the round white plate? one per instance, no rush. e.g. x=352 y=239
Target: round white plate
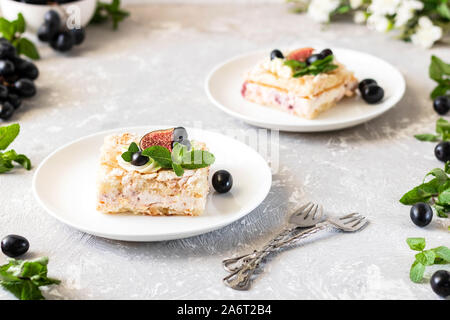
x=65 y=185
x=223 y=87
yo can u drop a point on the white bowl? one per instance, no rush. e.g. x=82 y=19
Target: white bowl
x=34 y=13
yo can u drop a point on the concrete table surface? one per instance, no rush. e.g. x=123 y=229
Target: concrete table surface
x=152 y=71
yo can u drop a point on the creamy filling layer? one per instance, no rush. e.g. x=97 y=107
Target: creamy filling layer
x=291 y=103
x=139 y=202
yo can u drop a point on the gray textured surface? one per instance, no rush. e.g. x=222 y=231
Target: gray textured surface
x=152 y=71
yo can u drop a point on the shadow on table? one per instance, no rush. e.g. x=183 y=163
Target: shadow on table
x=242 y=235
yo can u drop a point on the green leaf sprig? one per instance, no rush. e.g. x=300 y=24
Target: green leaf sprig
x=12 y=31
x=179 y=159
x=109 y=11
x=127 y=155
x=300 y=68
x=439 y=71
x=442 y=132
x=23 y=278
x=7 y=136
x=439 y=255
x=436 y=192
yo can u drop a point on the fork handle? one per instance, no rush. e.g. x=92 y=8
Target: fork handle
x=302 y=235
x=241 y=279
x=235 y=263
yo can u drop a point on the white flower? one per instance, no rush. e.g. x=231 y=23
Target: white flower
x=383 y=7
x=355 y=4
x=426 y=33
x=320 y=10
x=378 y=22
x=359 y=17
x=406 y=11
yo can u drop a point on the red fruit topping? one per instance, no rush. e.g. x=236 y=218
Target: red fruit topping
x=161 y=138
x=300 y=54
x=244 y=88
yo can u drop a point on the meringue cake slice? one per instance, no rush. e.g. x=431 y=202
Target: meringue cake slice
x=147 y=189
x=274 y=83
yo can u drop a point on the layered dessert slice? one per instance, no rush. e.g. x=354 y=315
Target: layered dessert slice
x=131 y=181
x=301 y=83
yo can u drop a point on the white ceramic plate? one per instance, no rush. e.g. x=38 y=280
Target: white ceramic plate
x=65 y=185
x=223 y=87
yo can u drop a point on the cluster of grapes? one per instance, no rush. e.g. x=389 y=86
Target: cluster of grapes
x=16 y=79
x=60 y=38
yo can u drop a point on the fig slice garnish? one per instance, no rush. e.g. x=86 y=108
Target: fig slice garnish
x=163 y=138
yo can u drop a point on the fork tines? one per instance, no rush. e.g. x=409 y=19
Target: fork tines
x=308 y=209
x=353 y=220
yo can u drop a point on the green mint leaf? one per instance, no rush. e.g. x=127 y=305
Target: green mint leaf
x=343 y=9
x=126 y=156
x=325 y=61
x=439 y=71
x=27 y=48
x=426 y=190
x=34 y=268
x=7 y=29
x=444 y=197
x=329 y=68
x=9 y=155
x=417 y=244
x=23 y=290
x=19 y=24
x=426 y=257
x=440 y=90
x=443 y=253
x=5 y=165
x=434 y=70
x=440 y=175
x=133 y=147
x=300 y=69
x=179 y=171
x=427 y=137
x=294 y=64
x=444 y=186
x=438 y=68
x=6 y=276
x=447 y=167
x=416 y=272
x=196 y=159
x=442 y=126
x=443 y=10
x=421 y=193
x=8 y=134
x=23 y=278
x=23 y=161
x=160 y=154
x=441 y=209
x=178 y=152
x=109 y=11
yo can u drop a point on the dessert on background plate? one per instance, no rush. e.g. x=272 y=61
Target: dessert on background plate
x=302 y=82
x=159 y=174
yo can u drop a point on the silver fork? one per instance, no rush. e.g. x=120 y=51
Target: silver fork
x=307 y=215
x=241 y=279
